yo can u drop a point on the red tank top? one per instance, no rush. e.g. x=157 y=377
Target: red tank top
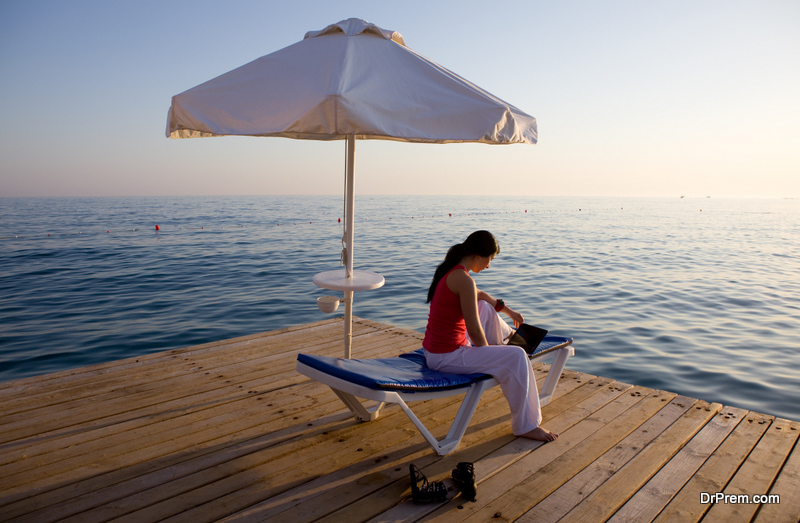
x=447 y=330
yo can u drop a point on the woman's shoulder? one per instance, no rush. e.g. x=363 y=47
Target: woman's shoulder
x=459 y=279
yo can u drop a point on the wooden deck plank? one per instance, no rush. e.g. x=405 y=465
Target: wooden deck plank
x=235 y=402
x=570 y=409
x=75 y=498
x=97 y=373
x=393 y=476
x=229 y=431
x=242 y=418
x=560 y=415
x=151 y=381
x=93 y=439
x=319 y=439
x=484 y=439
x=613 y=493
x=327 y=493
x=656 y=494
x=716 y=471
x=327 y=488
x=577 y=489
x=611 y=436
x=286 y=419
x=240 y=490
x=229 y=359
x=228 y=393
x=757 y=473
x=176 y=395
x=530 y=479
x=787 y=486
x=270 y=471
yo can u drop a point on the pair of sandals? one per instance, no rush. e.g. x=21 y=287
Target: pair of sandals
x=463 y=475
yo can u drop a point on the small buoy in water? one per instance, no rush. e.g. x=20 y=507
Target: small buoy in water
x=526 y=210
x=340 y=220
x=106 y=232
x=157 y=228
x=449 y=214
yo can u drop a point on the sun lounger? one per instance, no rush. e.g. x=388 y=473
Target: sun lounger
x=407 y=378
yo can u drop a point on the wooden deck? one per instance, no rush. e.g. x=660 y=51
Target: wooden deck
x=229 y=431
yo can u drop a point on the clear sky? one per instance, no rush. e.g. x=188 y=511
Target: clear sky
x=633 y=98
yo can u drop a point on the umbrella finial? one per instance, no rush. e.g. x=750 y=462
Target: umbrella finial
x=355 y=27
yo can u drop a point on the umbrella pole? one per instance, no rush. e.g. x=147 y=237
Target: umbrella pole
x=349 y=221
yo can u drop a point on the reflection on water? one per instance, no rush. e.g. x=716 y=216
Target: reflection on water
x=696 y=296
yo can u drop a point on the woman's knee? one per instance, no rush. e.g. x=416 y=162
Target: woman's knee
x=484 y=306
x=521 y=355
x=512 y=355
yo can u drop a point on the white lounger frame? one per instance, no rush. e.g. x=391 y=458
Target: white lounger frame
x=349 y=393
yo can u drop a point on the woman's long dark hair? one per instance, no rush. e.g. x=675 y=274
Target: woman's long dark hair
x=482 y=243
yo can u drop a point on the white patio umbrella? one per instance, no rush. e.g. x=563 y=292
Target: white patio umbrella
x=351 y=80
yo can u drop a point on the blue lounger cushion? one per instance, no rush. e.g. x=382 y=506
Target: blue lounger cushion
x=407 y=372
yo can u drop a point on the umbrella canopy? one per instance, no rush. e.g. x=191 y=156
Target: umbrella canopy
x=351 y=80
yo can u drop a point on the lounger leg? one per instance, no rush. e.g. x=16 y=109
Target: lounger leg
x=457 y=430
x=460 y=423
x=556 y=368
x=359 y=411
x=423 y=430
x=465 y=412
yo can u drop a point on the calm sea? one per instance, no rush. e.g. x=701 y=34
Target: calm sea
x=696 y=296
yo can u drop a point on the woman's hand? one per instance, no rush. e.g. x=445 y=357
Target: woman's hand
x=514 y=315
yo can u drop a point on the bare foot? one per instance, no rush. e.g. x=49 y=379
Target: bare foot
x=540 y=434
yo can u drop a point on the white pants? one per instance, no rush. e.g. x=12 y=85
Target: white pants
x=508 y=364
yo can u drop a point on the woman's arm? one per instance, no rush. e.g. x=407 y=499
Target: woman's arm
x=464 y=287
x=514 y=315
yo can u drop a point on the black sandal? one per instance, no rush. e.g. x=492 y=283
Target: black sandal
x=426 y=493
x=464 y=476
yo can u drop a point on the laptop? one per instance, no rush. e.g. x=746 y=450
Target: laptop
x=528 y=337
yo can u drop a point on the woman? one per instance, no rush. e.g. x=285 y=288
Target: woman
x=466 y=335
